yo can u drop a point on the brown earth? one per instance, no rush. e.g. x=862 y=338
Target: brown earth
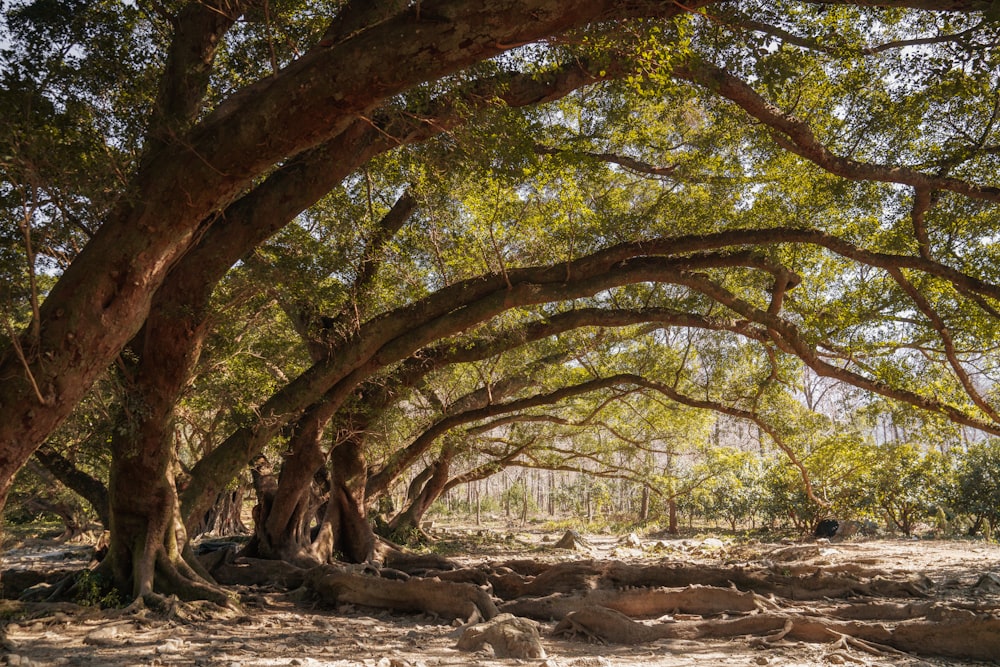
x=847 y=603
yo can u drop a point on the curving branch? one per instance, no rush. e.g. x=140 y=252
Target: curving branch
x=791 y=341
x=796 y=136
x=949 y=344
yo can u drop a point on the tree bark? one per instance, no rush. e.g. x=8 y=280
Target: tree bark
x=147 y=555
x=104 y=296
x=407 y=523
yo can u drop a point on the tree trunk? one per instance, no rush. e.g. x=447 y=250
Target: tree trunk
x=284 y=530
x=344 y=532
x=407 y=522
x=148 y=554
x=672 y=514
x=225 y=516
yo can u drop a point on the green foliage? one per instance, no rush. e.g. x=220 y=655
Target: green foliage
x=975 y=489
x=92 y=590
x=735 y=489
x=903 y=483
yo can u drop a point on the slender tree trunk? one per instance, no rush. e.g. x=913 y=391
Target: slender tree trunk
x=225 y=516
x=672 y=516
x=407 y=522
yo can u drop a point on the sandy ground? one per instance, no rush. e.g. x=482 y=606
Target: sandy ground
x=275 y=629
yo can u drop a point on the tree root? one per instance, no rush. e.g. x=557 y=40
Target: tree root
x=643 y=603
x=441 y=598
x=226 y=568
x=818 y=585
x=975 y=637
x=568 y=577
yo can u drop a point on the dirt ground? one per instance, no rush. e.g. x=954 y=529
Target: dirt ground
x=280 y=628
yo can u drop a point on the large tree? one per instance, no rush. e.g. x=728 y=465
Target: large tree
x=250 y=117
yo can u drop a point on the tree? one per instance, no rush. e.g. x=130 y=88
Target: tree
x=903 y=482
x=977 y=481
x=249 y=160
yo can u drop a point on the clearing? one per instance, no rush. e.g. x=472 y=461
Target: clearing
x=658 y=602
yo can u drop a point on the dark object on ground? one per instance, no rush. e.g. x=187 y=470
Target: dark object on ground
x=826 y=528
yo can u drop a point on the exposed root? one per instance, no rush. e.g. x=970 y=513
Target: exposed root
x=510 y=637
x=441 y=598
x=644 y=602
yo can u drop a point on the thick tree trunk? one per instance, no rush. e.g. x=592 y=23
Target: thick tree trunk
x=148 y=540
x=341 y=532
x=345 y=533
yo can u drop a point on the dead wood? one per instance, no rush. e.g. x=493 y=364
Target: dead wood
x=510 y=637
x=643 y=603
x=446 y=599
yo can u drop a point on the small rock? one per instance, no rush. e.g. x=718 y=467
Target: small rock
x=392 y=662
x=106 y=636
x=14 y=659
x=836 y=659
x=761 y=660
x=632 y=540
x=172 y=645
x=988 y=583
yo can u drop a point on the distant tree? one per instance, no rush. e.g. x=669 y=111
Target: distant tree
x=903 y=481
x=977 y=485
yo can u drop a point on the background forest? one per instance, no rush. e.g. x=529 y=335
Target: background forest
x=637 y=262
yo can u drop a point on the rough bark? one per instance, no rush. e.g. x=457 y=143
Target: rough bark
x=443 y=598
x=344 y=533
x=148 y=554
x=104 y=296
x=641 y=602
